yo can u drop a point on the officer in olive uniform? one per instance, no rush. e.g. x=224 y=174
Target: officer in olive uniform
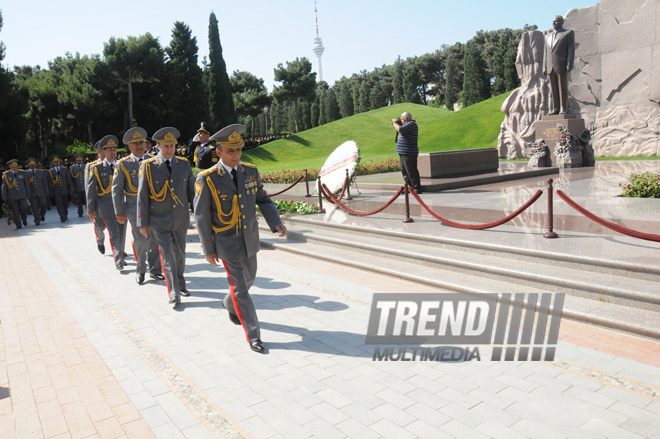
x=39 y=190
x=124 y=196
x=205 y=154
x=166 y=186
x=59 y=186
x=99 y=225
x=15 y=190
x=226 y=197
x=99 y=196
x=77 y=179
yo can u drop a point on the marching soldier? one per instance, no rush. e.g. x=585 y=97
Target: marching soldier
x=98 y=195
x=165 y=189
x=124 y=195
x=77 y=178
x=205 y=155
x=99 y=226
x=15 y=190
x=59 y=185
x=39 y=190
x=226 y=197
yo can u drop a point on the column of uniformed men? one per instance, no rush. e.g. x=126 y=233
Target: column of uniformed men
x=153 y=193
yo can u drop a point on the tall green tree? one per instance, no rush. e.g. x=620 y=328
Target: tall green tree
x=250 y=95
x=454 y=74
x=343 y=91
x=413 y=84
x=133 y=60
x=187 y=107
x=332 y=112
x=78 y=94
x=398 y=94
x=476 y=80
x=298 y=82
x=13 y=105
x=221 y=102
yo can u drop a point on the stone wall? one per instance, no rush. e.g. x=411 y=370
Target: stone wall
x=614 y=86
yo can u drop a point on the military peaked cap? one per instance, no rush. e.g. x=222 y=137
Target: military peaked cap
x=108 y=141
x=166 y=136
x=230 y=136
x=135 y=134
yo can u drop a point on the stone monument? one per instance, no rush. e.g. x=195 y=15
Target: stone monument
x=614 y=85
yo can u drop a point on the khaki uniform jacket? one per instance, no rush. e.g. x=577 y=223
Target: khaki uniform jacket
x=236 y=212
x=15 y=187
x=77 y=178
x=38 y=183
x=59 y=184
x=125 y=183
x=99 y=186
x=163 y=201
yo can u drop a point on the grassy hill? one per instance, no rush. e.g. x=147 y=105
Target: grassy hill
x=476 y=126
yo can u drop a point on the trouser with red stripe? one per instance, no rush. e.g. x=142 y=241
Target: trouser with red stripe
x=145 y=249
x=99 y=228
x=172 y=246
x=240 y=276
x=115 y=238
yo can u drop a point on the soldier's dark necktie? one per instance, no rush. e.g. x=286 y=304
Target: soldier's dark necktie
x=234 y=177
x=58 y=171
x=169 y=167
x=112 y=168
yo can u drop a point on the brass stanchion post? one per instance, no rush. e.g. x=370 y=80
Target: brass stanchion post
x=550 y=233
x=307 y=183
x=407 y=219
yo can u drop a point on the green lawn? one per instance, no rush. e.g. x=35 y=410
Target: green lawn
x=476 y=126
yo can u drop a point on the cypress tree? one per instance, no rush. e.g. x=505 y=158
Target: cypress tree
x=476 y=82
x=185 y=75
x=221 y=102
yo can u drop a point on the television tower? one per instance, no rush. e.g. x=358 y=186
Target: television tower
x=318 y=44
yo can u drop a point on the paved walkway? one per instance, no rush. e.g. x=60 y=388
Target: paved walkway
x=86 y=352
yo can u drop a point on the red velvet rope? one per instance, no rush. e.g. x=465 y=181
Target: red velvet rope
x=605 y=223
x=477 y=226
x=343 y=189
x=286 y=189
x=334 y=200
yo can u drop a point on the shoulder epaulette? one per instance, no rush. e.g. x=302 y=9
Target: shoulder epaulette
x=182 y=158
x=92 y=164
x=208 y=171
x=123 y=159
x=248 y=165
x=150 y=160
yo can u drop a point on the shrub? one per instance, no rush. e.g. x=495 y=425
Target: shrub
x=646 y=185
x=288 y=177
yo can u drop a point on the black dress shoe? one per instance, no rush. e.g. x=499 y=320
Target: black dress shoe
x=101 y=248
x=174 y=300
x=157 y=276
x=62 y=220
x=184 y=292
x=139 y=278
x=25 y=223
x=234 y=318
x=257 y=345
x=119 y=266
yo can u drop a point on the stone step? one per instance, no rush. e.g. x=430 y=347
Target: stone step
x=644 y=270
x=606 y=301
x=614 y=286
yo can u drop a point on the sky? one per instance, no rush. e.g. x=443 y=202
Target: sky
x=257 y=35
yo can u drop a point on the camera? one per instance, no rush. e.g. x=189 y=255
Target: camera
x=398 y=121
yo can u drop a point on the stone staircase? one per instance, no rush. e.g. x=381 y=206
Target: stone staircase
x=598 y=291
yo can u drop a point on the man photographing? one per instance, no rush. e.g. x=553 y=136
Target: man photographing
x=406 y=147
